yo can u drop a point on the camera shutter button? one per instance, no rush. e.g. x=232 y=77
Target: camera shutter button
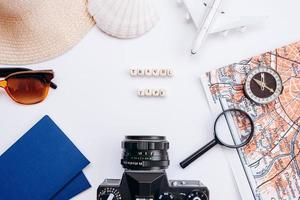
x=177 y=183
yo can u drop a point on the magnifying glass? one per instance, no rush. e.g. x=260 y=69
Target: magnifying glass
x=224 y=136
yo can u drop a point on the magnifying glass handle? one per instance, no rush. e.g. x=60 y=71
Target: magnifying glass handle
x=197 y=154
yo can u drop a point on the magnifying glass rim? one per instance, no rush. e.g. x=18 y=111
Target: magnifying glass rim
x=238 y=145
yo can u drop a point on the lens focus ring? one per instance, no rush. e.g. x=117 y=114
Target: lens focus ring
x=145 y=145
x=145 y=152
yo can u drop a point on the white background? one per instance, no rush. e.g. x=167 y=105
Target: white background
x=96 y=104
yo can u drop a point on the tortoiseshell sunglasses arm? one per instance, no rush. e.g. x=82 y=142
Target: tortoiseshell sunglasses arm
x=4 y=72
x=53 y=85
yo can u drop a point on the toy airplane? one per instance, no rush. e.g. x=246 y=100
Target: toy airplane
x=204 y=16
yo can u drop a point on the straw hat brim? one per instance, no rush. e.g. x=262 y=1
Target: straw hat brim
x=47 y=31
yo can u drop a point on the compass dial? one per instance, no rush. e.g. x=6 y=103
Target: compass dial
x=109 y=194
x=263 y=85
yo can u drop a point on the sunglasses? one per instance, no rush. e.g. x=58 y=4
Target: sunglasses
x=26 y=86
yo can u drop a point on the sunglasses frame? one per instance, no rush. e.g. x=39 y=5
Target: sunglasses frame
x=7 y=73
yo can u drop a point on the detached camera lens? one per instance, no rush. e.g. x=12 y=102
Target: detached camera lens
x=145 y=153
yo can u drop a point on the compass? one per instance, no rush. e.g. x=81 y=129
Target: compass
x=263 y=85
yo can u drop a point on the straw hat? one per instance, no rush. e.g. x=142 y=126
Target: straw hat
x=36 y=30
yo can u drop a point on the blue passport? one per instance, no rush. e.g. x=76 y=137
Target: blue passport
x=78 y=184
x=43 y=164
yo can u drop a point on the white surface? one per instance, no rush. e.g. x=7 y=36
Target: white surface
x=96 y=103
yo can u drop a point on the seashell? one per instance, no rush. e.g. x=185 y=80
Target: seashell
x=124 y=18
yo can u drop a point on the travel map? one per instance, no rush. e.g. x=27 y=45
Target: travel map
x=271 y=161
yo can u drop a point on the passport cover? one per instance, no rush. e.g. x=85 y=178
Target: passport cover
x=41 y=164
x=77 y=185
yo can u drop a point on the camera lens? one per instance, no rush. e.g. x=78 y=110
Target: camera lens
x=145 y=153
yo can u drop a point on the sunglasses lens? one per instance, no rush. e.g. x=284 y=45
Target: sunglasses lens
x=27 y=90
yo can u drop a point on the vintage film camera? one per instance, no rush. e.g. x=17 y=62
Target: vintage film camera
x=145 y=159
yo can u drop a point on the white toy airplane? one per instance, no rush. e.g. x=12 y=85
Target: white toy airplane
x=204 y=16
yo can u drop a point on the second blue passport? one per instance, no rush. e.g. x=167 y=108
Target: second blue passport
x=43 y=164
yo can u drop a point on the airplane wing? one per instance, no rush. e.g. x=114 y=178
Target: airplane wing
x=196 y=9
x=225 y=24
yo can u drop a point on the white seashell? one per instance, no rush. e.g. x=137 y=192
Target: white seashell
x=124 y=18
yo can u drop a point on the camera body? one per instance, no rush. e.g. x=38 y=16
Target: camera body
x=145 y=159
x=144 y=185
